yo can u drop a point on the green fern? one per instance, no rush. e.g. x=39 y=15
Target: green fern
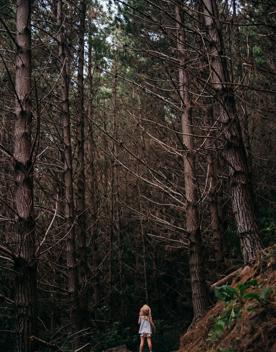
x=233 y=299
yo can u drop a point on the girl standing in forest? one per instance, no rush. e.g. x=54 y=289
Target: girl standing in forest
x=146 y=324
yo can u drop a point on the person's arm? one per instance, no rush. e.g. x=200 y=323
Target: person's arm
x=152 y=322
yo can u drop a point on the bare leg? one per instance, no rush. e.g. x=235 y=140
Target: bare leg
x=142 y=341
x=149 y=343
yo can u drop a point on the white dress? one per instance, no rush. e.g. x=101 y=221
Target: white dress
x=145 y=326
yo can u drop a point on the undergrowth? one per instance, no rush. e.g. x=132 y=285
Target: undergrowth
x=234 y=300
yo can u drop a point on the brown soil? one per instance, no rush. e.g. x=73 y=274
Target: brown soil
x=255 y=329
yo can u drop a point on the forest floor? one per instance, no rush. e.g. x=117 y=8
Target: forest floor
x=244 y=319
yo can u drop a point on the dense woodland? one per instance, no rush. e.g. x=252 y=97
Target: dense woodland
x=137 y=164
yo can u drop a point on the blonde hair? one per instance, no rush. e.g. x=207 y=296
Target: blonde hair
x=145 y=311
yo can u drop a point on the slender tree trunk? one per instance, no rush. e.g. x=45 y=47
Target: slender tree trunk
x=199 y=289
x=115 y=192
x=212 y=186
x=80 y=168
x=144 y=250
x=234 y=151
x=111 y=239
x=93 y=176
x=141 y=154
x=25 y=265
x=68 y=175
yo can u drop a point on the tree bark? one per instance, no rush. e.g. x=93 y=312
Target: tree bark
x=140 y=170
x=212 y=186
x=80 y=168
x=115 y=192
x=25 y=264
x=92 y=176
x=68 y=174
x=233 y=151
x=199 y=289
